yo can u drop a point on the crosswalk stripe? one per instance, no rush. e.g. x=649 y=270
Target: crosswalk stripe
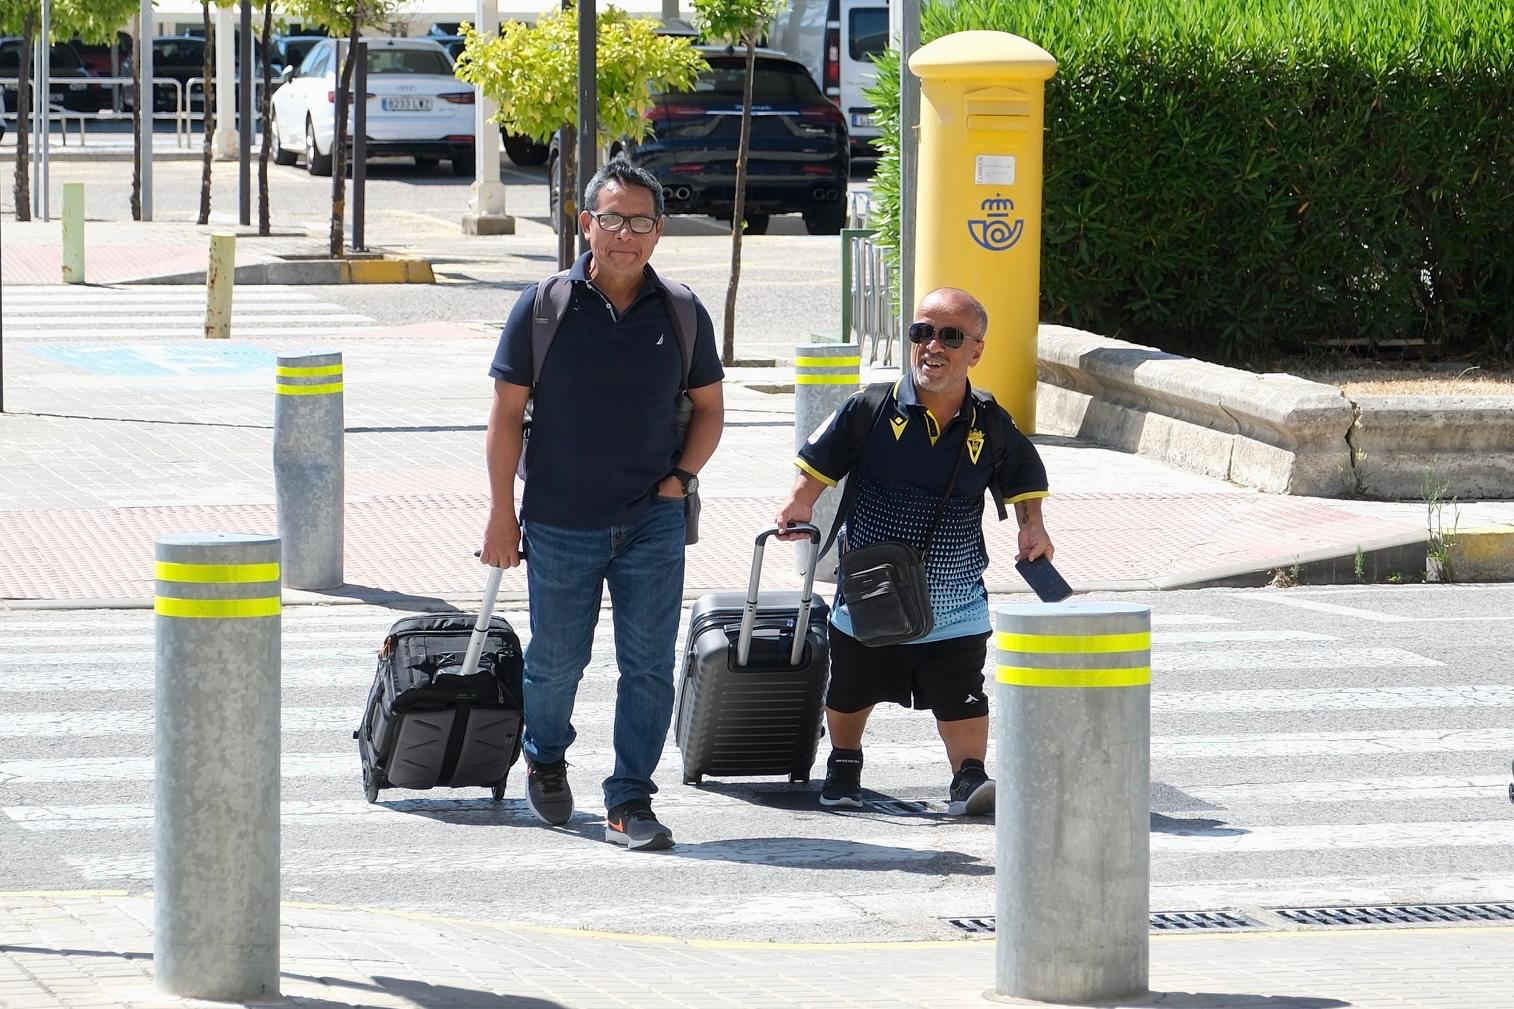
x=1334 y=890
x=1411 y=789
x=1253 y=659
x=58 y=724
x=22 y=324
x=310 y=326
x=820 y=853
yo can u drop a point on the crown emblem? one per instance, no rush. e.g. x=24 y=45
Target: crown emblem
x=997 y=206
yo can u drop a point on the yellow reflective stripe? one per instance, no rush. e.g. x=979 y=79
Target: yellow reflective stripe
x=170 y=571
x=812 y=471
x=1027 y=496
x=307 y=390
x=827 y=362
x=168 y=606
x=1025 y=676
x=321 y=369
x=825 y=379
x=1136 y=641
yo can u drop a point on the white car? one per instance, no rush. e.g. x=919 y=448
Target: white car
x=415 y=107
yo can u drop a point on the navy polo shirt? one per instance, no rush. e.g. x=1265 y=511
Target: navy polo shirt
x=604 y=410
x=905 y=465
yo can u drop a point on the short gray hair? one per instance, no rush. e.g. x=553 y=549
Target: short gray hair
x=620 y=170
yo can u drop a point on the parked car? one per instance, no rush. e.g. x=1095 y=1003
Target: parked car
x=415 y=106
x=522 y=150
x=291 y=50
x=182 y=57
x=838 y=40
x=69 y=88
x=799 y=157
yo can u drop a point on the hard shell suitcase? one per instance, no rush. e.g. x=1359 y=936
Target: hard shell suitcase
x=755 y=669
x=445 y=705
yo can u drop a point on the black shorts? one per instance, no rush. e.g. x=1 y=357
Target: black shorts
x=944 y=676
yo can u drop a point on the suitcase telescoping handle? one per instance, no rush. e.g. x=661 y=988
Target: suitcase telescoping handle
x=749 y=611
x=481 y=625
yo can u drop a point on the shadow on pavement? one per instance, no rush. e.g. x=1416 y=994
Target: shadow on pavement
x=415 y=993
x=1236 y=1000
x=1193 y=828
x=391 y=599
x=829 y=853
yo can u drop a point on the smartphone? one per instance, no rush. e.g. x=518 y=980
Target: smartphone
x=1041 y=576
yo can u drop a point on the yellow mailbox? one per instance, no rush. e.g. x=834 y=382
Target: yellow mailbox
x=978 y=212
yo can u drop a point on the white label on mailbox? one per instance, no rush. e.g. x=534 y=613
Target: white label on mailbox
x=995 y=170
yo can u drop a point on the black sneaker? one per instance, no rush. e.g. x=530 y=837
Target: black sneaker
x=547 y=792
x=843 y=780
x=972 y=791
x=634 y=825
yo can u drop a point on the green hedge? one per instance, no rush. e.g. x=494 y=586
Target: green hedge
x=1228 y=179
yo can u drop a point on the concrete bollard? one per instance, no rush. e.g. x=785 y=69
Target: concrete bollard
x=73 y=232
x=216 y=766
x=1073 y=817
x=309 y=468
x=220 y=277
x=825 y=374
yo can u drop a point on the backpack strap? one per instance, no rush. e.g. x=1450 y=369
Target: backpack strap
x=996 y=435
x=874 y=400
x=553 y=296
x=683 y=307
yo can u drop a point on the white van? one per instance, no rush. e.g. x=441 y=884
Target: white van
x=837 y=40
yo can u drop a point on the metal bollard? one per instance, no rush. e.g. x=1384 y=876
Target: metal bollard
x=825 y=374
x=73 y=232
x=216 y=766
x=309 y=468
x=1073 y=819
x=220 y=277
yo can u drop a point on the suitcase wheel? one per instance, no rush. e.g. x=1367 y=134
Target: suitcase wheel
x=498 y=789
x=370 y=785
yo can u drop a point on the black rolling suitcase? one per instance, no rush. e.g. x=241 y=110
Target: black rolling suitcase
x=755 y=669
x=445 y=706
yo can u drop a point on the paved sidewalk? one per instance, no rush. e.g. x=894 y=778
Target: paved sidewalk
x=85 y=950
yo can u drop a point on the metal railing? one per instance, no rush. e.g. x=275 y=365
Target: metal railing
x=182 y=114
x=868 y=281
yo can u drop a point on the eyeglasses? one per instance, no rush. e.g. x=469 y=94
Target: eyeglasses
x=950 y=336
x=614 y=222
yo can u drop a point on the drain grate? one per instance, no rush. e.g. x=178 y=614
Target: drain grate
x=1161 y=921
x=1194 y=921
x=1397 y=914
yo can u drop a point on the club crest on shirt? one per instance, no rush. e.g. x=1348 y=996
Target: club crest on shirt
x=974 y=445
x=898 y=423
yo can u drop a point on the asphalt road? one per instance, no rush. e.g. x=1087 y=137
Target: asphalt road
x=1310 y=747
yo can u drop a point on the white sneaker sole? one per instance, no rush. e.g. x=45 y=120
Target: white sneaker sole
x=657 y=842
x=980 y=803
x=845 y=802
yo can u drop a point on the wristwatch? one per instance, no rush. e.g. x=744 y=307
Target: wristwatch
x=689 y=480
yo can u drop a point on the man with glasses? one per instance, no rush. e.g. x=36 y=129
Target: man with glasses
x=603 y=501
x=932 y=438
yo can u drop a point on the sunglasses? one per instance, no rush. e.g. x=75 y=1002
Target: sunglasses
x=614 y=222
x=950 y=336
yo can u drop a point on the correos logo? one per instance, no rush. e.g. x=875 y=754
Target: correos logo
x=994 y=231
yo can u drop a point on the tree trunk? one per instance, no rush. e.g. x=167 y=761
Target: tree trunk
x=738 y=211
x=208 y=91
x=339 y=145
x=264 y=111
x=23 y=119
x=136 y=123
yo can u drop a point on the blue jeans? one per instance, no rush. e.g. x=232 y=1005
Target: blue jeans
x=566 y=570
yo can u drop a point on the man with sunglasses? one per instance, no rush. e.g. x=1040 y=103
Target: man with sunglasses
x=929 y=427
x=603 y=501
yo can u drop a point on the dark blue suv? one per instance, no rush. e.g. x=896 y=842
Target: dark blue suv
x=799 y=159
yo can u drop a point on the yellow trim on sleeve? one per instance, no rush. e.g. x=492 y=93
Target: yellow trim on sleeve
x=812 y=471
x=1027 y=496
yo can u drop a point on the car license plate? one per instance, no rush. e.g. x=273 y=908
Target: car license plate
x=862 y=119
x=407 y=105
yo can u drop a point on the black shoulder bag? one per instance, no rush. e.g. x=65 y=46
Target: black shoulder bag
x=884 y=584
